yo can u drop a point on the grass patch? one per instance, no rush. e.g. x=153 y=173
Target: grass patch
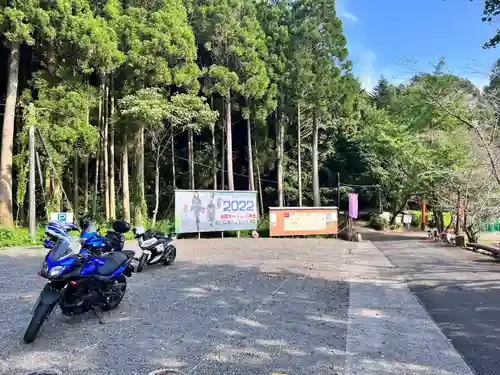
x=20 y=236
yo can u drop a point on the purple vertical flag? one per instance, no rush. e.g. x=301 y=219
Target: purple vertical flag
x=353 y=205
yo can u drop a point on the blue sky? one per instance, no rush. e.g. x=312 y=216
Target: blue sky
x=397 y=38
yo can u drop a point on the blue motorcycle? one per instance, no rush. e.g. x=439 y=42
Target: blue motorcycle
x=112 y=241
x=90 y=237
x=54 y=230
x=79 y=282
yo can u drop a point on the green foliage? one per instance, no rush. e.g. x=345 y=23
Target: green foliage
x=189 y=111
x=491 y=11
x=409 y=143
x=19 y=236
x=158 y=45
x=148 y=106
x=378 y=222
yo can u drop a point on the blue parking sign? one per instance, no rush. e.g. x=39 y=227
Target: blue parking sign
x=63 y=217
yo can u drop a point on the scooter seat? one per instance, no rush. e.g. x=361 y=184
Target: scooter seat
x=114 y=260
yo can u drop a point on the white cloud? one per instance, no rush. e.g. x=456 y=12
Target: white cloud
x=344 y=13
x=349 y=16
x=479 y=81
x=367 y=70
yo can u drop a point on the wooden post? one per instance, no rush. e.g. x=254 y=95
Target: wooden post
x=423 y=207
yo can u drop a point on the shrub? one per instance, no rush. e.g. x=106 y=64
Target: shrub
x=378 y=223
x=10 y=237
x=416 y=218
x=262 y=229
x=396 y=226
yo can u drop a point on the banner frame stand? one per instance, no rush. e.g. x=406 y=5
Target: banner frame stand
x=278 y=216
x=212 y=210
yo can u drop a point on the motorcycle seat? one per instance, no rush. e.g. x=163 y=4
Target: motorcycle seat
x=129 y=253
x=114 y=261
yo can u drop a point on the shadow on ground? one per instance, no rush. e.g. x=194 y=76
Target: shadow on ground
x=391 y=237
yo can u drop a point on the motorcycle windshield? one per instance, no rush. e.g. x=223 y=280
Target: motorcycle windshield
x=89 y=230
x=64 y=247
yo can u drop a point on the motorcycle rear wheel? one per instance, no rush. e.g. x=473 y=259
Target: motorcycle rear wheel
x=121 y=283
x=40 y=315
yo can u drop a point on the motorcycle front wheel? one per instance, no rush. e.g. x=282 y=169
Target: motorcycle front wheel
x=40 y=315
x=115 y=293
x=142 y=262
x=172 y=253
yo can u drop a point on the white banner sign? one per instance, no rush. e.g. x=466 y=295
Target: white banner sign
x=215 y=210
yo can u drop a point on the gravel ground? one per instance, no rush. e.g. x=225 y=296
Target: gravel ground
x=226 y=306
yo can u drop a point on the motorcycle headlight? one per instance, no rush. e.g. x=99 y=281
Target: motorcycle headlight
x=56 y=271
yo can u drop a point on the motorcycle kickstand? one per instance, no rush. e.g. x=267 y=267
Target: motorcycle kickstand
x=97 y=316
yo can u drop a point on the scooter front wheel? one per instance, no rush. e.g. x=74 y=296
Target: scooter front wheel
x=142 y=262
x=172 y=253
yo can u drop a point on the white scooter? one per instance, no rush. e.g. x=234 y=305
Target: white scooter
x=156 y=247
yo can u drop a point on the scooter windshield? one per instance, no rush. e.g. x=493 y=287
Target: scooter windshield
x=63 y=248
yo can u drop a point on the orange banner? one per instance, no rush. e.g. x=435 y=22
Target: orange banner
x=302 y=221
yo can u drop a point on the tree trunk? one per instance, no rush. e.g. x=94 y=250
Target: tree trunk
x=223 y=160
x=315 y=168
x=157 y=188
x=438 y=220
x=257 y=167
x=56 y=188
x=229 y=140
x=96 y=187
x=139 y=194
x=251 y=181
x=98 y=160
x=112 y=190
x=397 y=210
x=172 y=144
x=86 y=186
x=125 y=179
x=457 y=223
x=472 y=235
x=105 y=149
x=214 y=158
x=191 y=158
x=75 y=187
x=48 y=191
x=299 y=156
x=6 y=212
x=281 y=146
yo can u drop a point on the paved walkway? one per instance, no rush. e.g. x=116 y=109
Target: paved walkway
x=460 y=290
x=389 y=331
